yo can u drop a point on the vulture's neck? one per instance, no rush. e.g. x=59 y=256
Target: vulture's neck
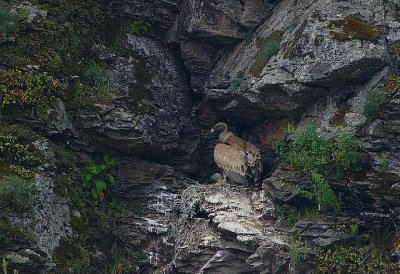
x=224 y=135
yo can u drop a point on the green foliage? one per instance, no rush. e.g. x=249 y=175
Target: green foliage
x=267 y=47
x=322 y=193
x=373 y=103
x=96 y=177
x=17 y=157
x=140 y=27
x=298 y=250
x=30 y=91
x=353 y=229
x=8 y=21
x=16 y=195
x=72 y=257
x=311 y=152
x=345 y=152
x=21 y=133
x=356 y=260
x=383 y=164
x=65 y=158
x=62 y=45
x=308 y=150
x=23 y=13
x=117 y=206
x=96 y=76
x=93 y=229
x=4 y=266
x=297 y=214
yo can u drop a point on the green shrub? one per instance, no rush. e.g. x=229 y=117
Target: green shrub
x=96 y=177
x=94 y=74
x=31 y=91
x=21 y=133
x=322 y=193
x=313 y=153
x=374 y=101
x=16 y=195
x=234 y=83
x=345 y=152
x=98 y=77
x=23 y=13
x=8 y=21
x=14 y=152
x=353 y=229
x=140 y=27
x=297 y=214
x=308 y=150
x=298 y=250
x=117 y=206
x=356 y=260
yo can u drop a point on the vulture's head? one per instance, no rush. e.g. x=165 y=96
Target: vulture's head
x=216 y=178
x=220 y=127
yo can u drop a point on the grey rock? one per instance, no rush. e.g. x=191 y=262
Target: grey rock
x=310 y=63
x=150 y=102
x=52 y=216
x=34 y=12
x=242 y=238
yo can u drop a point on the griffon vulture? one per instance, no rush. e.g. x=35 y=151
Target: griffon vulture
x=239 y=160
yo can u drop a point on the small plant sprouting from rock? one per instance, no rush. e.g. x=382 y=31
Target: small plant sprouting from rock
x=374 y=101
x=298 y=250
x=117 y=206
x=140 y=27
x=383 y=164
x=295 y=214
x=16 y=195
x=195 y=109
x=4 y=265
x=353 y=229
x=98 y=77
x=97 y=177
x=23 y=13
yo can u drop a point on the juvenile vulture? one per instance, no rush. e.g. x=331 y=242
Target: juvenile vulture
x=239 y=160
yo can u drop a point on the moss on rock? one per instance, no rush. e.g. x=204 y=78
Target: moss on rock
x=266 y=48
x=353 y=28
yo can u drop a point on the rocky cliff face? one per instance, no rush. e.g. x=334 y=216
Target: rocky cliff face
x=148 y=88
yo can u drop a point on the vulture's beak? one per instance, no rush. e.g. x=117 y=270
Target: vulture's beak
x=212 y=130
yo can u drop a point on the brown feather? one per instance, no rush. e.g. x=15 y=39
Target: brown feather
x=238 y=159
x=231 y=162
x=250 y=152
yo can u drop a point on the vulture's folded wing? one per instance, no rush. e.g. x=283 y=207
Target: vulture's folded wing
x=232 y=162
